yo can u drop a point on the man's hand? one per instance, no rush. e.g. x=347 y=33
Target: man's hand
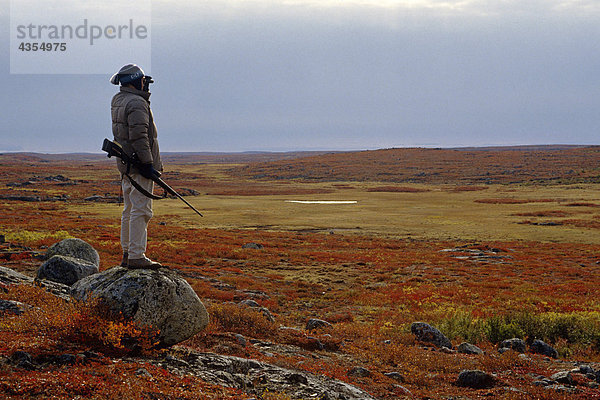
x=148 y=171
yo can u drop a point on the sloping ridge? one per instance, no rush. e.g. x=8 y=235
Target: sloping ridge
x=418 y=165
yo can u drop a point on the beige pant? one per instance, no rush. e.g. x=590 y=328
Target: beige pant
x=136 y=215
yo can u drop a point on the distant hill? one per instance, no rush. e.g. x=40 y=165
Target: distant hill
x=551 y=164
x=174 y=157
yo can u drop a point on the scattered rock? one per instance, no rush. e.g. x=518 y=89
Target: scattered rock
x=427 y=333
x=515 y=344
x=66 y=270
x=250 y=303
x=254 y=377
x=475 y=379
x=315 y=323
x=241 y=339
x=541 y=347
x=468 y=348
x=10 y=277
x=22 y=360
x=255 y=246
x=586 y=369
x=75 y=248
x=563 y=377
x=396 y=376
x=12 y=307
x=264 y=310
x=143 y=372
x=159 y=299
x=359 y=372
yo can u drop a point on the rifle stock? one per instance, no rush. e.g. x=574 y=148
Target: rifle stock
x=114 y=149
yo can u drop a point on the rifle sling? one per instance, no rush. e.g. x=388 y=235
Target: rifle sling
x=142 y=190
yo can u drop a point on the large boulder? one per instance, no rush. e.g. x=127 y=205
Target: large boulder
x=75 y=248
x=427 y=333
x=66 y=270
x=159 y=299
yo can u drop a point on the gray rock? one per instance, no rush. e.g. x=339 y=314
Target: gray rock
x=159 y=299
x=476 y=379
x=427 y=333
x=255 y=377
x=75 y=248
x=468 y=348
x=503 y=350
x=561 y=388
x=254 y=246
x=586 y=369
x=65 y=270
x=359 y=372
x=396 y=376
x=264 y=310
x=250 y=303
x=315 y=323
x=143 y=372
x=563 y=377
x=10 y=277
x=515 y=344
x=541 y=347
x=12 y=307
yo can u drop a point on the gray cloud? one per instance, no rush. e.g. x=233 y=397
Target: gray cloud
x=271 y=76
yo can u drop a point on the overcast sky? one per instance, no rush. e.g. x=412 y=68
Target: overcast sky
x=322 y=74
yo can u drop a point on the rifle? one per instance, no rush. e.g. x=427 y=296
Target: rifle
x=114 y=149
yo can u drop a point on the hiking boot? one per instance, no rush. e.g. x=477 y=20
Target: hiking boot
x=124 y=260
x=142 y=263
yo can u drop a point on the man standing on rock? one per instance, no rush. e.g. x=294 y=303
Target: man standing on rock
x=133 y=128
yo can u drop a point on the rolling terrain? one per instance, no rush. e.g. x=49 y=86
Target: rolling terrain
x=485 y=244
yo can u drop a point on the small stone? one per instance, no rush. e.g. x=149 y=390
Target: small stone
x=586 y=369
x=359 y=372
x=396 y=376
x=254 y=246
x=524 y=357
x=12 y=307
x=468 y=348
x=541 y=347
x=315 y=323
x=143 y=372
x=475 y=379
x=503 y=350
x=66 y=359
x=564 y=377
x=515 y=344
x=446 y=350
x=241 y=339
x=250 y=303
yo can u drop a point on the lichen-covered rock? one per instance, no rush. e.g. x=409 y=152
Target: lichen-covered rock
x=541 y=347
x=515 y=344
x=475 y=379
x=159 y=299
x=66 y=270
x=75 y=248
x=427 y=333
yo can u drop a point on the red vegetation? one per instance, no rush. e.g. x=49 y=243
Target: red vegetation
x=398 y=189
x=436 y=166
x=513 y=201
